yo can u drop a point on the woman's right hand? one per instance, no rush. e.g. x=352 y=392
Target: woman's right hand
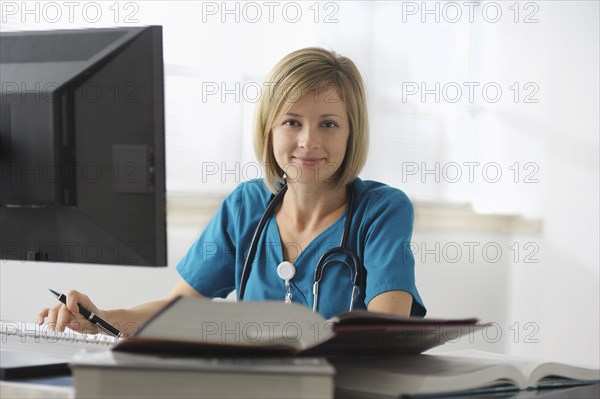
x=61 y=315
x=126 y=320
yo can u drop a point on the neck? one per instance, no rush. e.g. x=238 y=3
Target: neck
x=308 y=205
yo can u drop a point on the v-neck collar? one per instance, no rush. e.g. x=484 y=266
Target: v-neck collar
x=275 y=237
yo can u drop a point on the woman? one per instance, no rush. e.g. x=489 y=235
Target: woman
x=311 y=133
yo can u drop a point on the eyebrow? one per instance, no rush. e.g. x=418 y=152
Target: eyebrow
x=320 y=116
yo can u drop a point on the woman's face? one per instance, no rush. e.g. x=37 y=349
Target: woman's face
x=309 y=141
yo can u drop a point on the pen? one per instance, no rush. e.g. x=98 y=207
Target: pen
x=91 y=316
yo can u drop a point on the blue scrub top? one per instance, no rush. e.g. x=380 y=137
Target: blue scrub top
x=380 y=234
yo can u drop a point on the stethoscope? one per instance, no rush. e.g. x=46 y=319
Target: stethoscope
x=287 y=270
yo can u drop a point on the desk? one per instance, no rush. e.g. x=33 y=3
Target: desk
x=55 y=387
x=62 y=387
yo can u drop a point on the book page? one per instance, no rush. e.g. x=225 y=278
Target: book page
x=251 y=324
x=422 y=374
x=272 y=365
x=533 y=370
x=544 y=375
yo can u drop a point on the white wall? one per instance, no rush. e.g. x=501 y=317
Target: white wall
x=560 y=294
x=24 y=285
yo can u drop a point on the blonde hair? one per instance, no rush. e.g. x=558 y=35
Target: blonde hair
x=296 y=74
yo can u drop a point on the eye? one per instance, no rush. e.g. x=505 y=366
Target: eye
x=291 y=122
x=329 y=124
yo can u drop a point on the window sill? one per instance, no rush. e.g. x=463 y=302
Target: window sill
x=195 y=209
x=449 y=217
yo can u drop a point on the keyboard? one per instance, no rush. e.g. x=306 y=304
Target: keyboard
x=32 y=350
x=43 y=332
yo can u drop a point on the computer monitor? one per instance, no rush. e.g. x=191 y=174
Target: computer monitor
x=82 y=159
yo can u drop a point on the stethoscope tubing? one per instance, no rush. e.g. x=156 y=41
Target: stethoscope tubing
x=357 y=278
x=255 y=238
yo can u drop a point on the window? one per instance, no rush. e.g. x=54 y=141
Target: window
x=217 y=54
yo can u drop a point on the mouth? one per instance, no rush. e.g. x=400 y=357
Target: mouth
x=306 y=161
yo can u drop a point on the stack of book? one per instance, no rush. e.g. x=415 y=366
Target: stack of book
x=202 y=349
x=198 y=348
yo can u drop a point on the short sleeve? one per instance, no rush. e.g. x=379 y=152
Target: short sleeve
x=209 y=265
x=388 y=258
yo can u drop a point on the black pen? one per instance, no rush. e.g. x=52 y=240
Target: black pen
x=91 y=316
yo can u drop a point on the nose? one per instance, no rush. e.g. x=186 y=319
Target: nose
x=308 y=138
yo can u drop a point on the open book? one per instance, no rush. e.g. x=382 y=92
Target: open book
x=458 y=372
x=195 y=326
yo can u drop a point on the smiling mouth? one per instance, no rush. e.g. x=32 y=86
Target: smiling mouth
x=307 y=161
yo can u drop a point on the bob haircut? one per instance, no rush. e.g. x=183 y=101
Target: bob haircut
x=296 y=74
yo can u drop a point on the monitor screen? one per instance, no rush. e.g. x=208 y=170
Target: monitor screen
x=82 y=164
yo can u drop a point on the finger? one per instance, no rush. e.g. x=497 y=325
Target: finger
x=52 y=316
x=74 y=299
x=64 y=318
x=42 y=315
